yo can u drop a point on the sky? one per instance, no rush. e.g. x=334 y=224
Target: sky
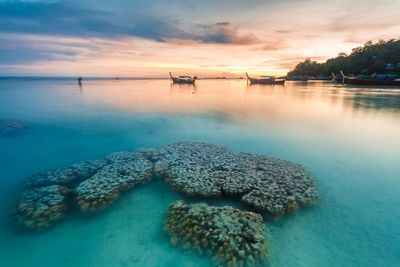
x=149 y=38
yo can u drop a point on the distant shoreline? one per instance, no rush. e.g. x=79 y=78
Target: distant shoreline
x=101 y=78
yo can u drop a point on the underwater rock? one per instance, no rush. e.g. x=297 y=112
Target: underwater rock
x=127 y=170
x=266 y=184
x=66 y=176
x=10 y=126
x=230 y=236
x=40 y=208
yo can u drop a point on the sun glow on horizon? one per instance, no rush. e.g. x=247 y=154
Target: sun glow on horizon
x=267 y=38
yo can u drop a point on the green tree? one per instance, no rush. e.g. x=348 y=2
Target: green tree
x=368 y=59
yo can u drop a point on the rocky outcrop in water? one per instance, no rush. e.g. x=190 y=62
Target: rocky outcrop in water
x=40 y=208
x=266 y=184
x=127 y=170
x=69 y=176
x=91 y=186
x=8 y=127
x=230 y=236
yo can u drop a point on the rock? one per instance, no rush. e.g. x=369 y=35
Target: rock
x=127 y=170
x=8 y=127
x=40 y=208
x=66 y=176
x=266 y=184
x=230 y=236
x=151 y=154
x=160 y=169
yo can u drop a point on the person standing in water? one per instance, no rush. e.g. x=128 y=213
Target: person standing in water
x=80 y=80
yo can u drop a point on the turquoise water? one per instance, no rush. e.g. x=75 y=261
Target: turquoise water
x=347 y=138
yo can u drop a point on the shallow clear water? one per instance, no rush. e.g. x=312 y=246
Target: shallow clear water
x=347 y=138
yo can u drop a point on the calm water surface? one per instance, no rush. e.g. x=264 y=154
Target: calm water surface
x=347 y=138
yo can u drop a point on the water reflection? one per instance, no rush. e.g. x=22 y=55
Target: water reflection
x=381 y=99
x=80 y=86
x=293 y=101
x=248 y=84
x=359 y=116
x=183 y=88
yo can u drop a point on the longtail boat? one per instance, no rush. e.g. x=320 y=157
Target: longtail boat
x=338 y=79
x=183 y=79
x=265 y=80
x=373 y=80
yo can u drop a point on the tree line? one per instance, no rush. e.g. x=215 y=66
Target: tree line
x=380 y=57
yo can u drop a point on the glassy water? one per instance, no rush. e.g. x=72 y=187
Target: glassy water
x=346 y=137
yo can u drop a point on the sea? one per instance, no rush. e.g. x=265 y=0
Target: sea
x=347 y=138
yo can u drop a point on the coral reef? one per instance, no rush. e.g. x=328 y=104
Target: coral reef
x=91 y=185
x=40 y=208
x=10 y=126
x=230 y=236
x=266 y=184
x=126 y=170
x=66 y=176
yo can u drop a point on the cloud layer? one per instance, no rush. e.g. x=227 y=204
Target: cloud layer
x=73 y=19
x=203 y=33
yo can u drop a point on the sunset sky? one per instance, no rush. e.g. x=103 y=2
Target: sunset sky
x=140 y=38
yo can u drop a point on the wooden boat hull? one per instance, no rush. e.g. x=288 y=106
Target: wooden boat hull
x=180 y=81
x=256 y=81
x=338 y=79
x=264 y=81
x=371 y=82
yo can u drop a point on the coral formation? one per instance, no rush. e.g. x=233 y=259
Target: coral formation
x=230 y=236
x=266 y=184
x=40 y=208
x=66 y=176
x=91 y=185
x=127 y=170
